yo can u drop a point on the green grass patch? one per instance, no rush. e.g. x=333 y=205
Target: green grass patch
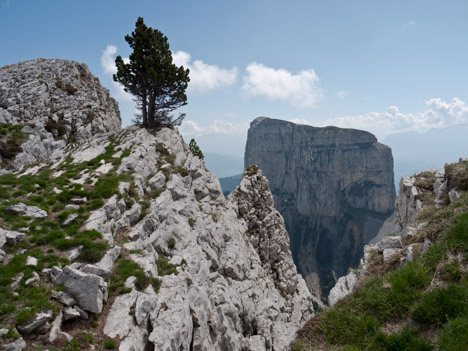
x=454 y=335
x=127 y=268
x=164 y=266
x=441 y=304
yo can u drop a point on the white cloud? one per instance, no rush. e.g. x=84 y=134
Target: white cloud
x=205 y=77
x=190 y=128
x=300 y=90
x=108 y=59
x=408 y=24
x=439 y=114
x=109 y=68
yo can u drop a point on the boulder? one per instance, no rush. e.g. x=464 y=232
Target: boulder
x=17 y=345
x=158 y=181
x=39 y=321
x=63 y=298
x=31 y=261
x=70 y=313
x=389 y=242
x=92 y=269
x=89 y=290
x=29 y=211
x=10 y=237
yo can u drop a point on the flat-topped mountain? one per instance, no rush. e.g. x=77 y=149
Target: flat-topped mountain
x=333 y=186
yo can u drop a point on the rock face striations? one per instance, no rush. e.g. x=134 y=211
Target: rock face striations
x=334 y=188
x=419 y=197
x=57 y=101
x=135 y=235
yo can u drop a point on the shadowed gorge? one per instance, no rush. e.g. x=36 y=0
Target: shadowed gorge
x=334 y=188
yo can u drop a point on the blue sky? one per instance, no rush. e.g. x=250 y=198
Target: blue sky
x=382 y=66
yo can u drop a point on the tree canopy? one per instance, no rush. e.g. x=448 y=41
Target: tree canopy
x=157 y=84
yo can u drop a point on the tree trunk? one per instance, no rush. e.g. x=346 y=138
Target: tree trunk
x=151 y=118
x=144 y=111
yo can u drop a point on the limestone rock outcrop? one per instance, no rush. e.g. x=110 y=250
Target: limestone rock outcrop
x=225 y=275
x=56 y=101
x=334 y=188
x=434 y=188
x=135 y=235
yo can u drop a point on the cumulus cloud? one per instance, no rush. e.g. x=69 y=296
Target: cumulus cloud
x=439 y=114
x=108 y=59
x=191 y=128
x=205 y=77
x=301 y=90
x=109 y=68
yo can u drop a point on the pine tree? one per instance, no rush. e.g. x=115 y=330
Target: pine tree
x=157 y=84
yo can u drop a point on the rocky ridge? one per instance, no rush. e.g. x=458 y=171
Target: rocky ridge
x=127 y=239
x=435 y=188
x=334 y=188
x=55 y=101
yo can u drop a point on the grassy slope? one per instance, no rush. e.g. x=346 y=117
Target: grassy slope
x=422 y=305
x=49 y=239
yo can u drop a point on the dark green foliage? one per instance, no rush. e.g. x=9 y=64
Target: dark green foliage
x=458 y=234
x=164 y=267
x=191 y=222
x=92 y=251
x=106 y=187
x=171 y=243
x=157 y=84
x=454 y=335
x=407 y=340
x=441 y=304
x=109 y=344
x=156 y=283
x=11 y=137
x=127 y=268
x=195 y=149
x=393 y=302
x=344 y=327
x=451 y=272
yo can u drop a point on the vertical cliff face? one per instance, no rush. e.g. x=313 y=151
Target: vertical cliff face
x=334 y=188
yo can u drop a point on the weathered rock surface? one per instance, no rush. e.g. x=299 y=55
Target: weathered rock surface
x=220 y=275
x=89 y=290
x=334 y=188
x=434 y=187
x=236 y=287
x=54 y=98
x=343 y=287
x=40 y=321
x=17 y=345
x=28 y=211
